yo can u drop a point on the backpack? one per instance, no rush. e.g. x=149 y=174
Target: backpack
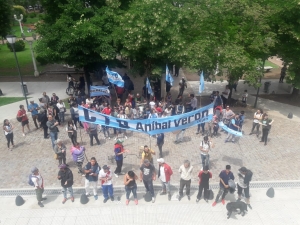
x=19 y=118
x=30 y=182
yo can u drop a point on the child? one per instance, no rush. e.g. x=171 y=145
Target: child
x=244 y=98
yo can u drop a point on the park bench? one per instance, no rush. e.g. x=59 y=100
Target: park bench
x=268 y=68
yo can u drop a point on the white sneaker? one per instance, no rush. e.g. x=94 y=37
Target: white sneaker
x=125 y=137
x=116 y=175
x=108 y=138
x=153 y=199
x=23 y=135
x=115 y=138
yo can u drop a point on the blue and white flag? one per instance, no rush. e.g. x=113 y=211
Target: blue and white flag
x=169 y=78
x=201 y=85
x=148 y=86
x=99 y=90
x=234 y=132
x=114 y=78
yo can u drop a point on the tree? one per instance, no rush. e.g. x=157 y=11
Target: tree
x=5 y=18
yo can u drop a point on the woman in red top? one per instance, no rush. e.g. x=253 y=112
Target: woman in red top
x=24 y=121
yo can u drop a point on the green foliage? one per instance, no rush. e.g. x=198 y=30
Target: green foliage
x=19 y=46
x=18 y=10
x=41 y=60
x=5 y=18
x=32 y=15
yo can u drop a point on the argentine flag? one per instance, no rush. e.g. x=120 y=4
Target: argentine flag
x=114 y=78
x=169 y=78
x=201 y=85
x=148 y=86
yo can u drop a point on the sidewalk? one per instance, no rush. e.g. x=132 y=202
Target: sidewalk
x=282 y=209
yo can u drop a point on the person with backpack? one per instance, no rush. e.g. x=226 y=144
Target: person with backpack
x=36 y=180
x=105 y=176
x=182 y=85
x=204 y=176
x=78 y=152
x=205 y=147
x=93 y=132
x=243 y=184
x=9 y=134
x=65 y=176
x=22 y=117
x=91 y=171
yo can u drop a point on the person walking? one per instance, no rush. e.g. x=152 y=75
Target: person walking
x=78 y=152
x=9 y=134
x=266 y=126
x=185 y=171
x=204 y=176
x=119 y=151
x=65 y=176
x=205 y=147
x=182 y=86
x=105 y=175
x=130 y=186
x=33 y=108
x=62 y=109
x=72 y=131
x=43 y=119
x=147 y=154
x=160 y=140
x=164 y=174
x=91 y=171
x=282 y=73
x=23 y=117
x=256 y=118
x=38 y=183
x=243 y=184
x=225 y=176
x=93 y=132
x=148 y=175
x=60 y=151
x=52 y=125
x=225 y=95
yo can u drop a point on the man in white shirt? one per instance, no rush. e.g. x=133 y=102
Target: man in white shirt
x=152 y=104
x=225 y=95
x=105 y=175
x=256 y=119
x=193 y=103
x=185 y=178
x=205 y=147
x=38 y=183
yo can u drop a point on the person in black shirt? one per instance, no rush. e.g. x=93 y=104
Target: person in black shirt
x=160 y=142
x=130 y=186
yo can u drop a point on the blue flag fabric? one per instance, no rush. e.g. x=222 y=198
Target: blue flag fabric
x=148 y=86
x=99 y=90
x=114 y=78
x=201 y=85
x=234 y=132
x=169 y=78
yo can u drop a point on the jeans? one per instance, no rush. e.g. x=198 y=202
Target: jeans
x=179 y=136
x=107 y=189
x=95 y=135
x=10 y=139
x=34 y=118
x=160 y=149
x=119 y=166
x=265 y=133
x=65 y=191
x=129 y=190
x=149 y=186
x=230 y=137
x=105 y=130
x=79 y=166
x=75 y=120
x=88 y=184
x=53 y=136
x=201 y=125
x=39 y=194
x=45 y=128
x=166 y=186
x=62 y=117
x=257 y=127
x=203 y=159
x=181 y=90
x=61 y=158
x=201 y=187
x=222 y=192
x=186 y=183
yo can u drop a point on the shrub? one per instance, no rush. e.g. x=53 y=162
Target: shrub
x=32 y=15
x=41 y=16
x=41 y=60
x=19 y=46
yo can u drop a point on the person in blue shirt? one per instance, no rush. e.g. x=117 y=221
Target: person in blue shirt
x=160 y=142
x=33 y=108
x=225 y=176
x=234 y=125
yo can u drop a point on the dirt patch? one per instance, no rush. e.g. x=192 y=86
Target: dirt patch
x=282 y=98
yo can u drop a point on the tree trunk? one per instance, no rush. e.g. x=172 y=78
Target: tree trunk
x=87 y=78
x=295 y=93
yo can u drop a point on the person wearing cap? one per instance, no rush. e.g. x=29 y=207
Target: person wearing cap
x=182 y=85
x=119 y=151
x=147 y=154
x=60 y=151
x=164 y=174
x=130 y=186
x=245 y=176
x=65 y=176
x=185 y=171
x=38 y=182
x=105 y=176
x=204 y=176
x=225 y=176
x=33 y=108
x=91 y=171
x=148 y=175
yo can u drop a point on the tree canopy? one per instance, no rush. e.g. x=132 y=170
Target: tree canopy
x=5 y=18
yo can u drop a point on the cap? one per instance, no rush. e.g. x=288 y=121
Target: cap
x=161 y=160
x=105 y=167
x=119 y=141
x=33 y=169
x=146 y=161
x=62 y=166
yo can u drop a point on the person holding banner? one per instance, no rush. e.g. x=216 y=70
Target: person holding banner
x=234 y=125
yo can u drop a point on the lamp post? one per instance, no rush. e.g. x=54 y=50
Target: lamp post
x=36 y=72
x=11 y=40
x=19 y=20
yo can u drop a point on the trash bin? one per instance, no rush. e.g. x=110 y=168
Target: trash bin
x=267 y=86
x=24 y=88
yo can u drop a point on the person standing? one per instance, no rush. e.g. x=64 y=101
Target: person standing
x=54 y=99
x=38 y=183
x=91 y=171
x=234 y=125
x=45 y=99
x=282 y=73
x=119 y=151
x=160 y=140
x=205 y=146
x=147 y=154
x=60 y=151
x=52 y=125
x=204 y=176
x=185 y=171
x=266 y=126
x=227 y=114
x=72 y=132
x=33 y=108
x=62 y=109
x=164 y=174
x=225 y=176
x=225 y=95
x=78 y=152
x=75 y=114
x=243 y=184
x=24 y=119
x=105 y=175
x=65 y=176
x=148 y=175
x=193 y=103
x=9 y=134
x=257 y=117
x=218 y=100
x=182 y=86
x=42 y=118
x=93 y=132
x=130 y=186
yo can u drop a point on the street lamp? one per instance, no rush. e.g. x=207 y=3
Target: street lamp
x=36 y=72
x=11 y=40
x=20 y=21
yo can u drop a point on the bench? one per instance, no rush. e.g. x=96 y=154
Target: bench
x=268 y=68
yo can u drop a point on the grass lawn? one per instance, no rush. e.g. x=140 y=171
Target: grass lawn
x=268 y=63
x=16 y=28
x=9 y=100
